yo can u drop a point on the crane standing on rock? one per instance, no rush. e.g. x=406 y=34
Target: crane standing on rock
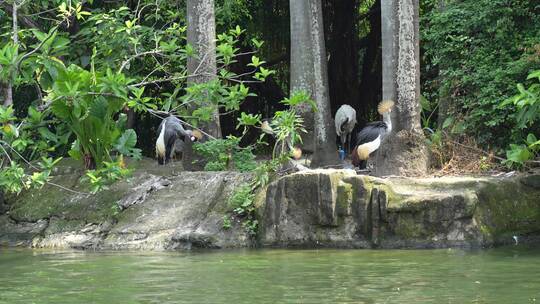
x=370 y=137
x=169 y=131
x=345 y=121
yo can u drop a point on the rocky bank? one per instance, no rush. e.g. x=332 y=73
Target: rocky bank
x=165 y=208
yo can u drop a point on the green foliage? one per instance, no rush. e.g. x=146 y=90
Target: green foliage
x=527 y=105
x=88 y=103
x=101 y=178
x=125 y=144
x=287 y=126
x=115 y=57
x=242 y=204
x=14 y=178
x=8 y=61
x=23 y=141
x=241 y=201
x=527 y=102
x=226 y=154
x=474 y=54
x=227 y=224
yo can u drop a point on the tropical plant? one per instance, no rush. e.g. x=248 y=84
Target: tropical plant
x=474 y=54
x=527 y=105
x=88 y=103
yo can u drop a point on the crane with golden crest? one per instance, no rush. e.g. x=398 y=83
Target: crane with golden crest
x=370 y=137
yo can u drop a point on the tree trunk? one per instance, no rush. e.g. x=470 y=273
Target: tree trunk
x=201 y=35
x=302 y=64
x=403 y=152
x=325 y=134
x=8 y=89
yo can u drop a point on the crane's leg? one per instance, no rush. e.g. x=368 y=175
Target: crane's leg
x=363 y=164
x=349 y=143
x=169 y=148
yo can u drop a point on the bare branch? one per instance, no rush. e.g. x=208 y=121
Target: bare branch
x=154 y=52
x=169 y=79
x=24 y=20
x=2 y=143
x=38 y=47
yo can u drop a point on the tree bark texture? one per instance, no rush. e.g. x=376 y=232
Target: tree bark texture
x=325 y=134
x=302 y=65
x=8 y=88
x=403 y=152
x=201 y=35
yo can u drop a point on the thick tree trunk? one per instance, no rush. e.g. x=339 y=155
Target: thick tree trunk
x=325 y=134
x=8 y=94
x=201 y=35
x=403 y=152
x=302 y=64
x=8 y=89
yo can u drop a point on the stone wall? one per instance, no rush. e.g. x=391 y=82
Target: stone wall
x=331 y=208
x=159 y=207
x=165 y=208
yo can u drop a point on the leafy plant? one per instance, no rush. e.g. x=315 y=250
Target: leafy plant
x=519 y=154
x=527 y=104
x=242 y=204
x=286 y=127
x=101 y=178
x=226 y=154
x=89 y=102
x=22 y=143
x=474 y=54
x=226 y=222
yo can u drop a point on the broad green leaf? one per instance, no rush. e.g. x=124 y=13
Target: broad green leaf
x=448 y=122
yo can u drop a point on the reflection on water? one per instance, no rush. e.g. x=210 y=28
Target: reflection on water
x=507 y=275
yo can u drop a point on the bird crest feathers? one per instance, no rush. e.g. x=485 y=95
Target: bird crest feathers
x=297 y=153
x=385 y=106
x=197 y=134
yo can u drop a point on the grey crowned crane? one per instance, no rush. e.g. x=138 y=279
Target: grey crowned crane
x=169 y=131
x=370 y=137
x=345 y=121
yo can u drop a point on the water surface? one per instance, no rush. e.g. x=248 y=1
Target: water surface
x=506 y=275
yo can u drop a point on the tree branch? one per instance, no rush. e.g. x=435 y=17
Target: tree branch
x=28 y=22
x=154 y=52
x=38 y=47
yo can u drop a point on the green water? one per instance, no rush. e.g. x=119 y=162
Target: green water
x=507 y=275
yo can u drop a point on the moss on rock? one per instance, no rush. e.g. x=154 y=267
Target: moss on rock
x=508 y=208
